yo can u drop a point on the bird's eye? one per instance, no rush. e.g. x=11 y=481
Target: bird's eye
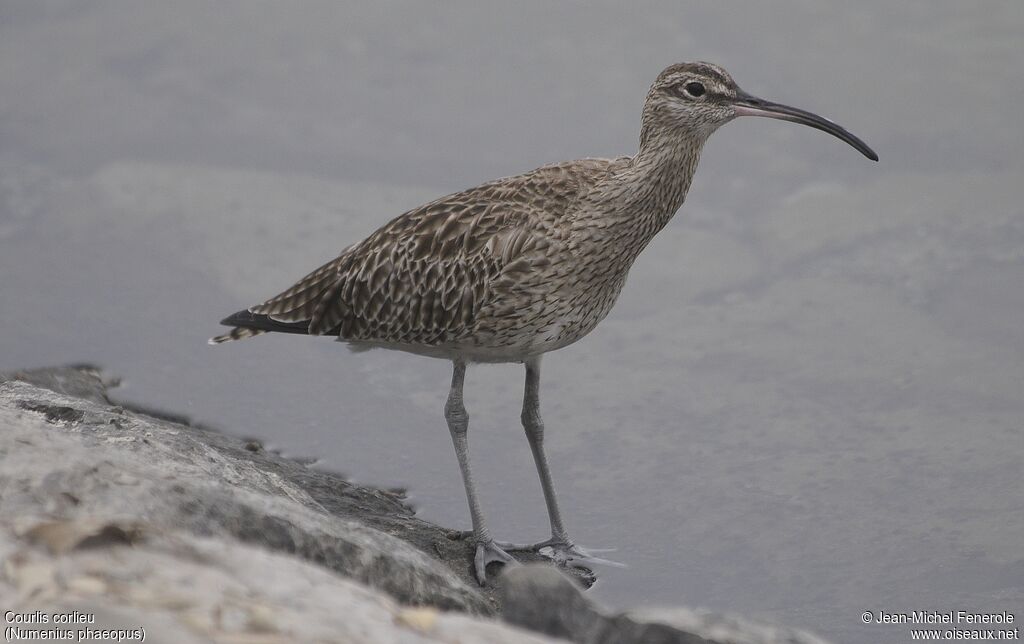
x=694 y=89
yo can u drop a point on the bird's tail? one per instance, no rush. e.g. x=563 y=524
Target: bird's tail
x=237 y=333
x=246 y=324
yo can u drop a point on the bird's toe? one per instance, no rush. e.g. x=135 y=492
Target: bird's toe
x=573 y=556
x=489 y=552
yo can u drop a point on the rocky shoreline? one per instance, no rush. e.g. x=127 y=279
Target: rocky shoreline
x=146 y=521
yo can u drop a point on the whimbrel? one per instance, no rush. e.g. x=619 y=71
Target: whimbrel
x=520 y=266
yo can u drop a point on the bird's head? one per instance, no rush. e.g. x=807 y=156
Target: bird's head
x=694 y=99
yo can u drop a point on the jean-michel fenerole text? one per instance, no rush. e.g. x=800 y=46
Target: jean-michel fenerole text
x=943 y=617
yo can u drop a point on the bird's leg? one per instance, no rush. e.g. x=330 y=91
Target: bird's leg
x=458 y=424
x=534 y=426
x=559 y=547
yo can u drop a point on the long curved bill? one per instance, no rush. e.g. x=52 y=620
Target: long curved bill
x=747 y=105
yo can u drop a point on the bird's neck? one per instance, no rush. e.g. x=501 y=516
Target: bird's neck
x=660 y=175
x=640 y=198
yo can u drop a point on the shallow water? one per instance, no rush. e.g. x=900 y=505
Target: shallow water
x=808 y=401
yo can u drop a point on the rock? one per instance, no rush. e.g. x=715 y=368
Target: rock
x=542 y=599
x=121 y=466
x=83 y=381
x=141 y=522
x=218 y=470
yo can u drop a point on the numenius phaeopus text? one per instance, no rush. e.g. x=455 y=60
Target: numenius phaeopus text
x=517 y=267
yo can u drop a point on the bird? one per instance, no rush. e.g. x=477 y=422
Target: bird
x=517 y=267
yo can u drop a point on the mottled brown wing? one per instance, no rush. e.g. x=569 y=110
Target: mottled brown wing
x=424 y=277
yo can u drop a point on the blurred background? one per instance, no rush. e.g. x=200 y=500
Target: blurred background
x=808 y=401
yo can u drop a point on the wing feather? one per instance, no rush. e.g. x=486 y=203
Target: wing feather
x=426 y=276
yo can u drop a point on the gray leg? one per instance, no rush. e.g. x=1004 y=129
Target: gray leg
x=559 y=547
x=534 y=427
x=458 y=425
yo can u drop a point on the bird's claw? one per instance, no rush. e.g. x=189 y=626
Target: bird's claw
x=573 y=556
x=489 y=552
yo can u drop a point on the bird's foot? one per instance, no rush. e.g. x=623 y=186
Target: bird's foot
x=564 y=553
x=490 y=552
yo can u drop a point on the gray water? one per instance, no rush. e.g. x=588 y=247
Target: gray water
x=808 y=401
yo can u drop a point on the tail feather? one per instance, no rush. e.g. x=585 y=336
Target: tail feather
x=237 y=333
x=292 y=310
x=248 y=324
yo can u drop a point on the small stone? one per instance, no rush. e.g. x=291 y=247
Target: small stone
x=87 y=585
x=421 y=620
